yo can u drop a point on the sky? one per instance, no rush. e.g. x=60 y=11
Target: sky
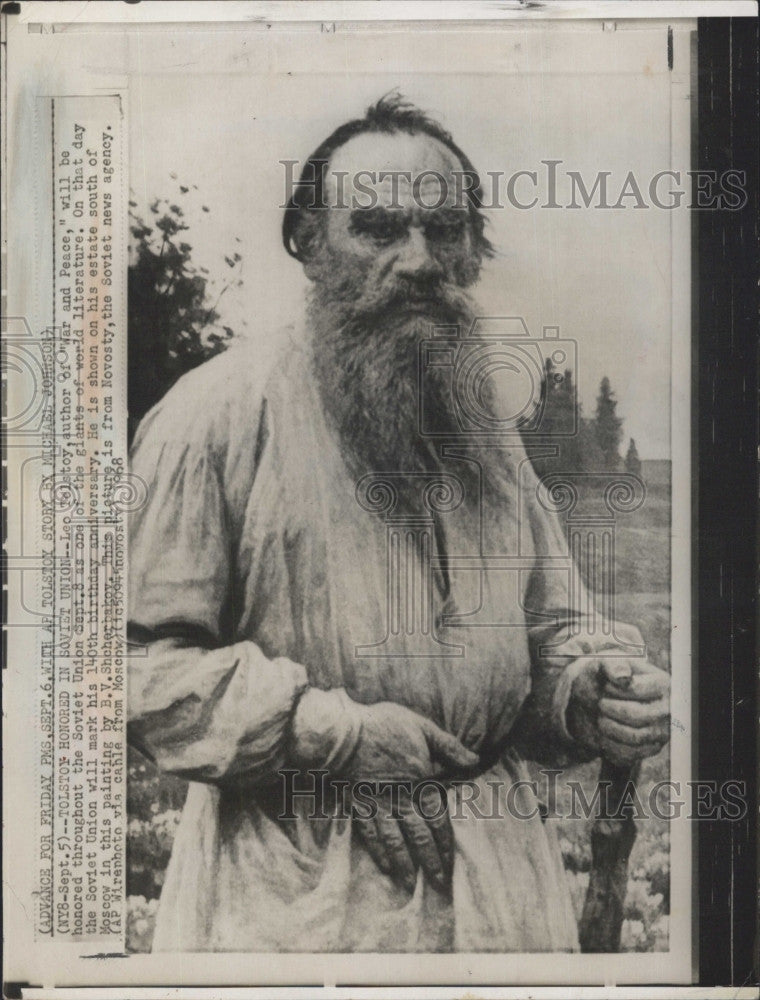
x=218 y=115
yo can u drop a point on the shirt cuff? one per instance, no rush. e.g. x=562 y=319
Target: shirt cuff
x=325 y=729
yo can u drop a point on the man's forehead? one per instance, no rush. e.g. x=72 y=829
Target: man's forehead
x=399 y=156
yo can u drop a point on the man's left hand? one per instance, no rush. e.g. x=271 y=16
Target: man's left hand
x=621 y=708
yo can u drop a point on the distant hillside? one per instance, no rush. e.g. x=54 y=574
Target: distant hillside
x=656 y=471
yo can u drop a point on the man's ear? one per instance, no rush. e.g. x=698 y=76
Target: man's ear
x=309 y=238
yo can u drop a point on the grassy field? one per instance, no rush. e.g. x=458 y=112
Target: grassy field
x=642 y=598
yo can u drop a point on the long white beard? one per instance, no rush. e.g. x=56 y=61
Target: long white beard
x=368 y=379
x=367 y=372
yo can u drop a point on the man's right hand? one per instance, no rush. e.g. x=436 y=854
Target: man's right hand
x=407 y=831
x=393 y=744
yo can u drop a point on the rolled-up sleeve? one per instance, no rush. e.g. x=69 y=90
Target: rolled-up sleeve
x=202 y=709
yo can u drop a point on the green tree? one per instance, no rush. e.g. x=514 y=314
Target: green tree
x=173 y=323
x=608 y=426
x=593 y=460
x=632 y=460
x=562 y=423
x=570 y=421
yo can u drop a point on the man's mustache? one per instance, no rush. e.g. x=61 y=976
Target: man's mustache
x=439 y=299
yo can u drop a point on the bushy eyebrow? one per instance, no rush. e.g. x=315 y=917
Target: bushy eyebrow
x=398 y=218
x=378 y=212
x=453 y=213
x=366 y=219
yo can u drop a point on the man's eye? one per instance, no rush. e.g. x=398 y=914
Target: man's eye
x=447 y=226
x=384 y=226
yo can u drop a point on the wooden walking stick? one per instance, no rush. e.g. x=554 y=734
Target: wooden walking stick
x=611 y=843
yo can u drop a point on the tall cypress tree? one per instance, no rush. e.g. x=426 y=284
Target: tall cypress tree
x=632 y=460
x=561 y=422
x=570 y=418
x=608 y=426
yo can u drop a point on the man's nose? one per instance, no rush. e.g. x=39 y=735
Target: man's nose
x=414 y=259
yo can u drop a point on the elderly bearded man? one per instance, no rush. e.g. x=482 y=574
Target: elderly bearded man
x=258 y=584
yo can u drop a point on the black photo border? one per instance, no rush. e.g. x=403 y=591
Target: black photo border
x=727 y=318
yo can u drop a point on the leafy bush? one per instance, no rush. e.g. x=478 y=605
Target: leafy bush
x=154 y=805
x=172 y=304
x=141 y=919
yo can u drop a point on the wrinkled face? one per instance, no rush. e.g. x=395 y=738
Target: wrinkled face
x=384 y=276
x=397 y=221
